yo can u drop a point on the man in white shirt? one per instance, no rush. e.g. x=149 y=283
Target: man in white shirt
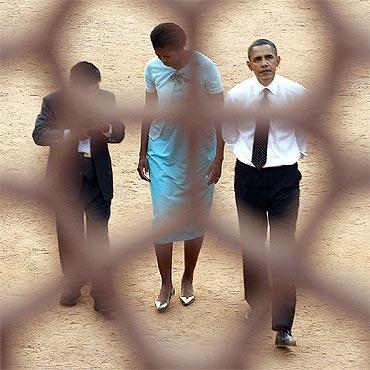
x=266 y=180
x=80 y=165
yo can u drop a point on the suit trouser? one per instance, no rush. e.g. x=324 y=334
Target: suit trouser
x=97 y=211
x=269 y=196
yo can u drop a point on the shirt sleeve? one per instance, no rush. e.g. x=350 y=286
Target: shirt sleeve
x=108 y=134
x=301 y=142
x=300 y=134
x=213 y=82
x=148 y=79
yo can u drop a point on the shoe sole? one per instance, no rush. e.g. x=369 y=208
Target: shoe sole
x=185 y=303
x=158 y=309
x=163 y=309
x=67 y=304
x=110 y=310
x=285 y=345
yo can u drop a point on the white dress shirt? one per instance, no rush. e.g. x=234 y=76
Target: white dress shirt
x=285 y=145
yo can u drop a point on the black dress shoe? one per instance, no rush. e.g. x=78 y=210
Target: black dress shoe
x=284 y=338
x=105 y=304
x=69 y=296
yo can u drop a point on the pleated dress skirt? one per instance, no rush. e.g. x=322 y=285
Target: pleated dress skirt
x=170 y=180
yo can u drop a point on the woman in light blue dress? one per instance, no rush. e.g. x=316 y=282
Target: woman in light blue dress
x=165 y=148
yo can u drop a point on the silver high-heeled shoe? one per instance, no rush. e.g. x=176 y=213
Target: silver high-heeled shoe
x=162 y=306
x=187 y=300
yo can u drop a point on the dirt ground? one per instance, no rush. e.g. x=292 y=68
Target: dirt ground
x=114 y=35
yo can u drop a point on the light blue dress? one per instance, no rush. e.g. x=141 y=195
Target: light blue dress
x=168 y=146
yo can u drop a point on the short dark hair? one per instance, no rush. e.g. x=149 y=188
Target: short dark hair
x=84 y=74
x=168 y=35
x=260 y=42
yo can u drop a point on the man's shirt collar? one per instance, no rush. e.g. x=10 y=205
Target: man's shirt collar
x=273 y=86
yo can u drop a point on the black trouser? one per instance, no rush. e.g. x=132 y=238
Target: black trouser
x=268 y=196
x=97 y=211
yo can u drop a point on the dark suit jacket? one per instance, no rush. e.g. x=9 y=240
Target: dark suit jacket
x=59 y=113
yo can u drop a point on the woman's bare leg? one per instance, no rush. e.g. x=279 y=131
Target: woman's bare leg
x=191 y=252
x=164 y=259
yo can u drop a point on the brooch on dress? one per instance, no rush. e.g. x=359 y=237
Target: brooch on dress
x=179 y=77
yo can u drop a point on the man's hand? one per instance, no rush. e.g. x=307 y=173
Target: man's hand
x=214 y=171
x=143 y=168
x=83 y=136
x=75 y=135
x=102 y=128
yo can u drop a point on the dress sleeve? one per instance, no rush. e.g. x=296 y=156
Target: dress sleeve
x=148 y=79
x=213 y=82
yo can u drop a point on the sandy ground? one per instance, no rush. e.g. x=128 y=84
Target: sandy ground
x=114 y=36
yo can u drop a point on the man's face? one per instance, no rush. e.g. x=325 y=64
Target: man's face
x=88 y=90
x=91 y=89
x=263 y=62
x=169 y=57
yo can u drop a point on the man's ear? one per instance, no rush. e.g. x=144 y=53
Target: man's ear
x=278 y=60
x=249 y=65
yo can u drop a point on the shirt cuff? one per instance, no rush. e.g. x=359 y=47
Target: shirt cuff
x=109 y=133
x=66 y=133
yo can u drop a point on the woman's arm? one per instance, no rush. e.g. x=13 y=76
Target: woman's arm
x=143 y=168
x=215 y=169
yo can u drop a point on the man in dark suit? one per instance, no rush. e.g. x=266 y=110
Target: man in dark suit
x=79 y=169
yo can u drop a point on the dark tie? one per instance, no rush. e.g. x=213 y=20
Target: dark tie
x=88 y=169
x=261 y=135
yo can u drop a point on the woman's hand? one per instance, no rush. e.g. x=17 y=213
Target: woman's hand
x=143 y=168
x=214 y=171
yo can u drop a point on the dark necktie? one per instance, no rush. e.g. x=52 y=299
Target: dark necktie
x=88 y=169
x=261 y=135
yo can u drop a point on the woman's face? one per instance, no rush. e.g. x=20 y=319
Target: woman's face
x=170 y=57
